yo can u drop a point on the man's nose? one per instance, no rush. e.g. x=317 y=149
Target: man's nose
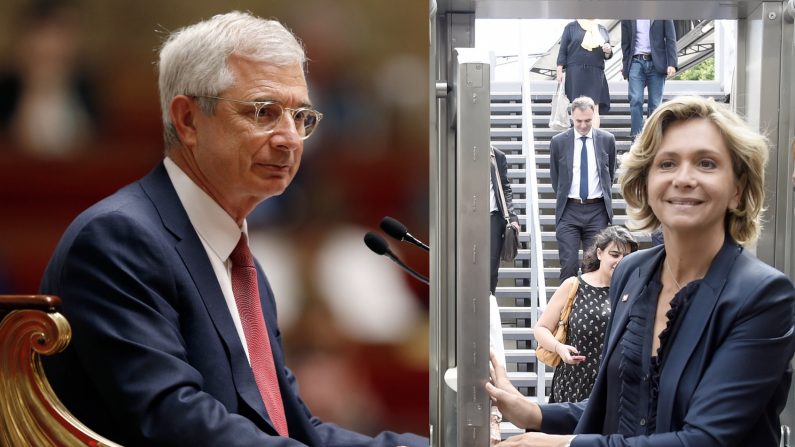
x=286 y=132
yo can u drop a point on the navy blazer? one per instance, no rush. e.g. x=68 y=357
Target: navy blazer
x=155 y=358
x=662 y=37
x=561 y=150
x=725 y=380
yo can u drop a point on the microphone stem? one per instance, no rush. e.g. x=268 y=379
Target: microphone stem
x=407 y=269
x=416 y=242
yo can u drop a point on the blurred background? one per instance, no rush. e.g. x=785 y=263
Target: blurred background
x=79 y=118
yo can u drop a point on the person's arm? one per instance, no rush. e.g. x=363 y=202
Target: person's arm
x=553 y=162
x=563 y=53
x=506 y=188
x=526 y=414
x=611 y=154
x=513 y=405
x=669 y=32
x=607 y=50
x=627 y=36
x=538 y=440
x=549 y=321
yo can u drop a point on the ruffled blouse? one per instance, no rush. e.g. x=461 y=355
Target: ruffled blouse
x=634 y=372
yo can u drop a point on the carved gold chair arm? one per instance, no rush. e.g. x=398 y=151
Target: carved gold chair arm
x=30 y=412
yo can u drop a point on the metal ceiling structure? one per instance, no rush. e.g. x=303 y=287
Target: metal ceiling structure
x=615 y=9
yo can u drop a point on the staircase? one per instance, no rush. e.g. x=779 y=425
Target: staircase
x=519 y=304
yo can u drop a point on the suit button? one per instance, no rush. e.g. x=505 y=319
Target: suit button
x=642 y=422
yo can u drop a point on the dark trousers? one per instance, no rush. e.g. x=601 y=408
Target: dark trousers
x=578 y=226
x=497 y=234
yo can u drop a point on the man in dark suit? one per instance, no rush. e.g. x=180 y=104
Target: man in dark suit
x=175 y=331
x=498 y=211
x=648 y=48
x=582 y=168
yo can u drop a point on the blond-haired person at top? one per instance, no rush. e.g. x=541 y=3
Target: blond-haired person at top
x=584 y=47
x=699 y=344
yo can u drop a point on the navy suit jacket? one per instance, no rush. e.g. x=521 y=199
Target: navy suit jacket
x=561 y=150
x=726 y=379
x=155 y=358
x=662 y=36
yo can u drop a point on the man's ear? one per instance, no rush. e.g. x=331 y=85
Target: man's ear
x=183 y=112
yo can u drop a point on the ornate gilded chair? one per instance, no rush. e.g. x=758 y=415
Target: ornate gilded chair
x=30 y=413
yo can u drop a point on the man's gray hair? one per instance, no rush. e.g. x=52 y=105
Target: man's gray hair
x=583 y=103
x=194 y=59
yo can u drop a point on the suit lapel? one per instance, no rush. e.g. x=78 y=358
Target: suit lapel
x=195 y=258
x=569 y=171
x=160 y=190
x=694 y=323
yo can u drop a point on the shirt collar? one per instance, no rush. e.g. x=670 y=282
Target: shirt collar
x=577 y=135
x=213 y=224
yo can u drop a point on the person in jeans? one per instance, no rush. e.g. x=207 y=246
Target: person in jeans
x=649 y=51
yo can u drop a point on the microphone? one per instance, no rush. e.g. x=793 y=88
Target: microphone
x=398 y=231
x=379 y=246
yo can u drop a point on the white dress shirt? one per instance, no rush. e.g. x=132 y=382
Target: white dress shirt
x=218 y=232
x=594 y=189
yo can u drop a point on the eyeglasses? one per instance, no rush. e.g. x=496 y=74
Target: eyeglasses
x=268 y=115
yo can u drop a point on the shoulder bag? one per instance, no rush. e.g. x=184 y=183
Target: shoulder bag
x=552 y=358
x=510 y=242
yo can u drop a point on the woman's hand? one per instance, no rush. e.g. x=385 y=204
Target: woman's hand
x=536 y=440
x=607 y=48
x=569 y=354
x=513 y=405
x=559 y=76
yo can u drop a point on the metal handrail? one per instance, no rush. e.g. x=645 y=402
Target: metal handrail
x=533 y=223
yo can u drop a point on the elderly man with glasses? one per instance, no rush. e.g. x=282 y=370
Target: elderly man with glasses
x=175 y=333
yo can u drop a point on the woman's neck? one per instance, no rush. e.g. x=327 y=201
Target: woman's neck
x=689 y=258
x=597 y=278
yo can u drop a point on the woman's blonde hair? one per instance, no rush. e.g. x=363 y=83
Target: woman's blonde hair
x=748 y=149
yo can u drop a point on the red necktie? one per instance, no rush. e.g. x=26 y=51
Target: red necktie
x=244 y=287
